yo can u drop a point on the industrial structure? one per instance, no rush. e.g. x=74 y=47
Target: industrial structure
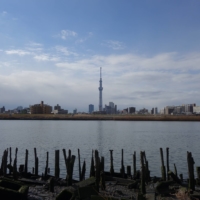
x=100 y=93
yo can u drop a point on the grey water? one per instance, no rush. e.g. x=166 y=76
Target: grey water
x=131 y=136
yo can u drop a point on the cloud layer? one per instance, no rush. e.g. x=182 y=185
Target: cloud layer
x=63 y=76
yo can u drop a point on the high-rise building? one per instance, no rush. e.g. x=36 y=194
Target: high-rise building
x=91 y=108
x=100 y=93
x=40 y=108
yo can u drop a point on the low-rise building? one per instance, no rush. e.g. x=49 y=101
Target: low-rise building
x=59 y=110
x=40 y=108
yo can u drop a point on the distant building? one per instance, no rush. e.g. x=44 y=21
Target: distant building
x=40 y=108
x=154 y=111
x=196 y=109
x=143 y=111
x=111 y=109
x=168 y=110
x=59 y=110
x=2 y=110
x=131 y=110
x=75 y=111
x=91 y=108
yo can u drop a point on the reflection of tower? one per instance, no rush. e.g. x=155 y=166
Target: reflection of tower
x=100 y=93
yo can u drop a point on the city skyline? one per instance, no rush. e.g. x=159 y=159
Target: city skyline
x=149 y=52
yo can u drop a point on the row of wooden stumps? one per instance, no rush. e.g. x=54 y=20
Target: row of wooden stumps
x=97 y=167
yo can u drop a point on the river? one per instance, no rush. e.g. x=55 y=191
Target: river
x=131 y=136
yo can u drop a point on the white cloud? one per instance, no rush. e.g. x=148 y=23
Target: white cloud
x=64 y=34
x=46 y=57
x=65 y=51
x=115 y=45
x=18 y=52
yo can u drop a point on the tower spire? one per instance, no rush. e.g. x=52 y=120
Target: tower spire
x=100 y=93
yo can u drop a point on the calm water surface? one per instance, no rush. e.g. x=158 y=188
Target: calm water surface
x=131 y=136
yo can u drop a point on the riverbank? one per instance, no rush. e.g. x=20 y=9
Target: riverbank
x=99 y=117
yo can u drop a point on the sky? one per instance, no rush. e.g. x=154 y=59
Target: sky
x=52 y=50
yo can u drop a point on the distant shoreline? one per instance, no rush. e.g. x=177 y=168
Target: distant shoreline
x=98 y=117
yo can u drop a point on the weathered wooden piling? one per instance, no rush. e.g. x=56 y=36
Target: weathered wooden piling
x=142 y=183
x=26 y=162
x=70 y=168
x=102 y=180
x=4 y=162
x=51 y=184
x=10 y=159
x=191 y=162
x=122 y=170
x=163 y=170
x=83 y=171
x=134 y=164
x=47 y=165
x=97 y=172
x=79 y=165
x=36 y=162
x=92 y=170
x=57 y=161
x=175 y=170
x=102 y=164
x=167 y=162
x=15 y=165
x=128 y=169
x=111 y=163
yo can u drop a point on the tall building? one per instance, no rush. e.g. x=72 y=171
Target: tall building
x=100 y=93
x=91 y=108
x=40 y=108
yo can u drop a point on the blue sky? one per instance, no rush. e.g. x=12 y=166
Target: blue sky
x=149 y=52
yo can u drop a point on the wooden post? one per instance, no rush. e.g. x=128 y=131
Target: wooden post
x=128 y=171
x=26 y=162
x=102 y=180
x=163 y=171
x=83 y=171
x=142 y=184
x=190 y=161
x=51 y=185
x=111 y=163
x=5 y=156
x=167 y=162
x=65 y=158
x=92 y=170
x=70 y=169
x=122 y=170
x=102 y=164
x=79 y=165
x=15 y=165
x=36 y=162
x=175 y=170
x=57 y=160
x=97 y=165
x=47 y=165
x=10 y=159
x=134 y=164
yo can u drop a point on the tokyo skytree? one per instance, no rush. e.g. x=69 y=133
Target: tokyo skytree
x=100 y=93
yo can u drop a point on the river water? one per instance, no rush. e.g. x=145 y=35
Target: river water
x=131 y=136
